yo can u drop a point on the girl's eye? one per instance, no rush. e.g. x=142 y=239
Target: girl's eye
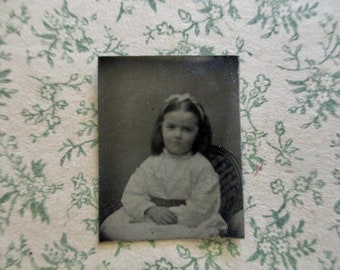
x=170 y=127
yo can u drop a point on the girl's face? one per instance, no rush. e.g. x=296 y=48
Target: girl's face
x=179 y=131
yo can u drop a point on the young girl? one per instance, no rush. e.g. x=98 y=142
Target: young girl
x=175 y=192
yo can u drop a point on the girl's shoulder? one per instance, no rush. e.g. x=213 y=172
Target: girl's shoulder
x=148 y=160
x=202 y=166
x=200 y=159
x=195 y=159
x=151 y=161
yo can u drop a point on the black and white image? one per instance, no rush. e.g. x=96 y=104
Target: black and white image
x=169 y=148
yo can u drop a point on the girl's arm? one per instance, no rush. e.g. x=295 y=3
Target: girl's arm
x=136 y=200
x=204 y=201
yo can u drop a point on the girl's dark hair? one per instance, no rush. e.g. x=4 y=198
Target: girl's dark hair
x=187 y=103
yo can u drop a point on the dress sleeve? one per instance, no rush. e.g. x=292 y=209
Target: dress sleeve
x=204 y=202
x=136 y=199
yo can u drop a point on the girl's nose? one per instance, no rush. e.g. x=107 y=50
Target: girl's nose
x=178 y=133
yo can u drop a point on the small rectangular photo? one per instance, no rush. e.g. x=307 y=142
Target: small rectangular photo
x=169 y=148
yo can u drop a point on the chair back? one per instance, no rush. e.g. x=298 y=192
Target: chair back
x=229 y=170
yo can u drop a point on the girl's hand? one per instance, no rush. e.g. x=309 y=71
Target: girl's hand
x=161 y=215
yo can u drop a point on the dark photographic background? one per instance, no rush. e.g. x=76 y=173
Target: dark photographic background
x=131 y=94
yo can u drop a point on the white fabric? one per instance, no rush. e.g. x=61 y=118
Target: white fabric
x=190 y=178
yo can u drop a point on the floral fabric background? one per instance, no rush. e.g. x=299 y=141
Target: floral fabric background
x=290 y=110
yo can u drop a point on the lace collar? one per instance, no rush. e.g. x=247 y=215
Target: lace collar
x=185 y=156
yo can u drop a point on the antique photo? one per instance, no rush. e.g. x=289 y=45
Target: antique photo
x=169 y=148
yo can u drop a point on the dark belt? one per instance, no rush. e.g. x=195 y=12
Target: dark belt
x=167 y=203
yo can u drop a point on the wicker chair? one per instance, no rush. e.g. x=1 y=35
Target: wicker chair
x=229 y=170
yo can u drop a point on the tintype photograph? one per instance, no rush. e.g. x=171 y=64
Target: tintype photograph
x=169 y=148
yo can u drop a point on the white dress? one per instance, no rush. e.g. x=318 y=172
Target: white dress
x=190 y=178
